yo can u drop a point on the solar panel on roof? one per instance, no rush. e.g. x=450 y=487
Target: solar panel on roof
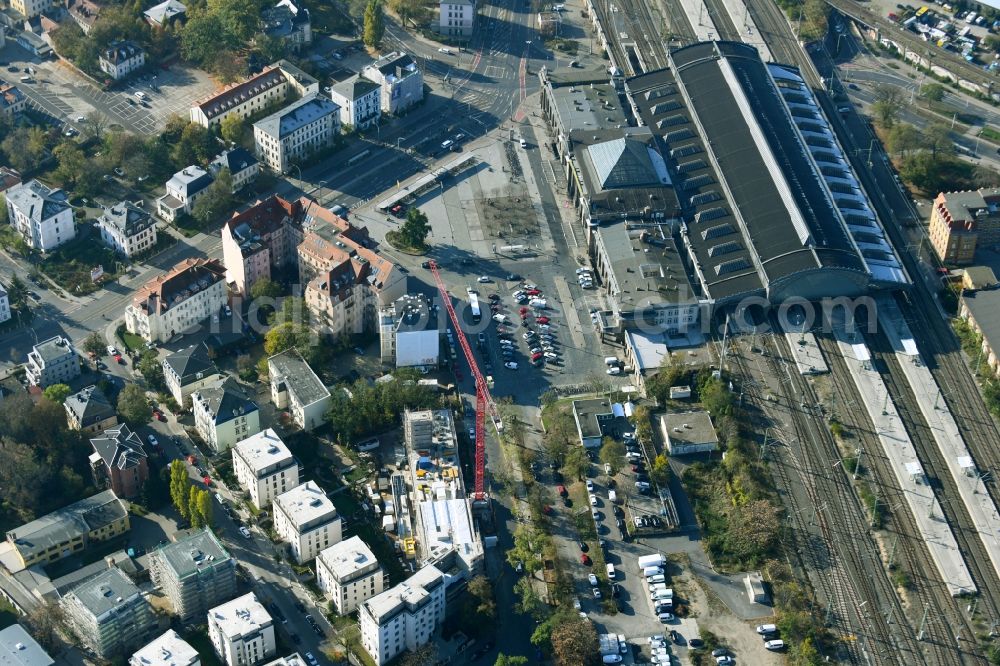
x=678 y=135
x=671 y=120
x=698 y=181
x=726 y=267
x=718 y=231
x=705 y=197
x=664 y=107
x=710 y=214
x=693 y=165
x=724 y=248
x=684 y=151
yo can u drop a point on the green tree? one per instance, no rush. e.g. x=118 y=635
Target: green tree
x=217 y=199
x=528 y=603
x=72 y=162
x=57 y=393
x=203 y=36
x=151 y=368
x=25 y=148
x=205 y=509
x=284 y=336
x=179 y=483
x=133 y=405
x=613 y=454
x=577 y=464
x=415 y=229
x=484 y=605
x=374 y=25
x=903 y=138
x=932 y=92
x=409 y=10
x=233 y=128
x=239 y=19
x=504 y=660
x=888 y=105
x=804 y=653
x=193 y=512
x=95 y=344
x=937 y=137
x=96 y=125
x=265 y=288
x=293 y=310
x=17 y=291
x=575 y=642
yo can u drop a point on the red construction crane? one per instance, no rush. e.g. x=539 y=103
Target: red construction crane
x=484 y=401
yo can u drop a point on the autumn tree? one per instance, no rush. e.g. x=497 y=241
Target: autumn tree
x=483 y=604
x=576 y=464
x=72 y=162
x=527 y=548
x=95 y=344
x=515 y=660
x=133 y=405
x=574 y=643
x=903 y=138
x=216 y=200
x=932 y=92
x=205 y=508
x=753 y=530
x=660 y=472
x=233 y=128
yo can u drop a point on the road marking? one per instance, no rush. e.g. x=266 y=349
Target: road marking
x=569 y=312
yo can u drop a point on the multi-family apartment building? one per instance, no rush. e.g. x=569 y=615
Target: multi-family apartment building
x=109 y=614
x=456 y=18
x=260 y=239
x=963 y=221
x=19 y=648
x=264 y=467
x=41 y=215
x=268 y=89
x=295 y=387
x=346 y=281
x=403 y=617
x=224 y=414
x=176 y=301
x=5 y=312
x=167 y=649
x=84 y=13
x=243 y=167
x=127 y=229
x=195 y=573
x=119 y=461
x=183 y=189
x=70 y=529
x=349 y=574
x=121 y=58
x=400 y=80
x=288 y=21
x=305 y=518
x=242 y=632
x=409 y=334
x=90 y=411
x=187 y=370
x=296 y=132
x=165 y=13
x=30 y=8
x=360 y=101
x=52 y=361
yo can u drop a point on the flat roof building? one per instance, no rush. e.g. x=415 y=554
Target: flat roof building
x=242 y=632
x=408 y=333
x=169 y=649
x=349 y=574
x=306 y=519
x=19 y=648
x=294 y=386
x=590 y=415
x=52 y=361
x=403 y=617
x=264 y=467
x=195 y=573
x=961 y=221
x=688 y=432
x=109 y=614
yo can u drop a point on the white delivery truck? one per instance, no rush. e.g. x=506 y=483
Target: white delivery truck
x=655 y=560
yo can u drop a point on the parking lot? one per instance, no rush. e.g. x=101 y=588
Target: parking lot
x=63 y=93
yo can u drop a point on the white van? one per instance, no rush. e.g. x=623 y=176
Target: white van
x=611 y=571
x=141 y=95
x=652 y=571
x=218 y=498
x=610 y=360
x=657 y=578
x=612 y=496
x=368 y=445
x=765 y=629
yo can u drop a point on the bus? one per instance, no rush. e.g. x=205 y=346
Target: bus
x=477 y=315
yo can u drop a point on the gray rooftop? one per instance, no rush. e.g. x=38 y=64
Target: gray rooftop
x=590 y=106
x=165 y=11
x=984 y=305
x=119 y=447
x=412 y=314
x=411 y=593
x=290 y=369
x=126 y=218
x=587 y=411
x=225 y=400
x=190 y=180
x=296 y=115
x=19 y=648
x=54 y=349
x=192 y=553
x=963 y=205
x=236 y=160
x=105 y=592
x=646 y=269
x=89 y=406
x=191 y=364
x=355 y=87
x=37 y=201
x=689 y=428
x=70 y=521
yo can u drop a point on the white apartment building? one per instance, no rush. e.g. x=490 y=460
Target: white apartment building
x=169 y=649
x=4 y=305
x=400 y=80
x=403 y=617
x=183 y=190
x=243 y=167
x=306 y=518
x=121 y=58
x=242 y=632
x=30 y=8
x=296 y=132
x=173 y=303
x=187 y=370
x=224 y=414
x=360 y=101
x=349 y=574
x=41 y=215
x=295 y=387
x=260 y=91
x=52 y=361
x=457 y=18
x=264 y=467
x=127 y=229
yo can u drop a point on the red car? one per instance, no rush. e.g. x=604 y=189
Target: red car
x=158 y=415
x=536 y=357
x=522 y=310
x=206 y=480
x=542 y=320
x=562 y=490
x=398 y=210
x=533 y=292
x=585 y=559
x=119 y=359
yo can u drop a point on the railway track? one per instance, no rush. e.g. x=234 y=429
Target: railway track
x=723 y=22
x=634 y=35
x=828 y=529
x=929 y=605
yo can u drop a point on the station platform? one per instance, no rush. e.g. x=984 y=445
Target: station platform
x=808 y=358
x=700 y=21
x=749 y=34
x=926 y=510
x=961 y=465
